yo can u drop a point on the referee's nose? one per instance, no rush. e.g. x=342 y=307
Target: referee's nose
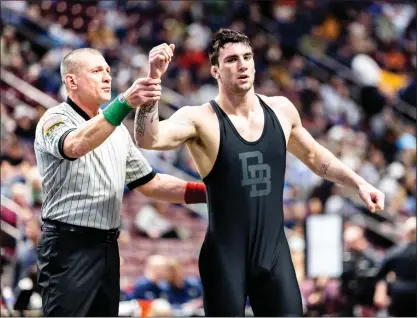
x=107 y=78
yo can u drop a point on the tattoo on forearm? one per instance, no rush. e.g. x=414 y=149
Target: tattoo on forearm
x=141 y=115
x=324 y=168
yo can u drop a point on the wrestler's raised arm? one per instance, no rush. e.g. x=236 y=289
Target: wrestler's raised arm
x=149 y=132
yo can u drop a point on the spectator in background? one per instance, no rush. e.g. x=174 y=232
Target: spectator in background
x=160 y=308
x=13 y=153
x=183 y=291
x=33 y=181
x=150 y=221
x=409 y=93
x=49 y=80
x=397 y=286
x=360 y=261
x=21 y=195
x=151 y=285
x=338 y=106
x=25 y=123
x=100 y=36
x=10 y=47
x=8 y=126
x=26 y=251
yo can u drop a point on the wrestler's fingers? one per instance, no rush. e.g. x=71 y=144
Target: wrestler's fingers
x=164 y=50
x=369 y=201
x=380 y=201
x=158 y=47
x=366 y=197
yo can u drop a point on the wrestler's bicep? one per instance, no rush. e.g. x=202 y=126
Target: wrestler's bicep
x=176 y=130
x=301 y=143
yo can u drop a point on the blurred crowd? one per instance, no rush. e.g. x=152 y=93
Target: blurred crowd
x=349 y=68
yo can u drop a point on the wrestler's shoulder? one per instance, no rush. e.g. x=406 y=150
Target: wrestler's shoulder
x=276 y=101
x=279 y=103
x=198 y=111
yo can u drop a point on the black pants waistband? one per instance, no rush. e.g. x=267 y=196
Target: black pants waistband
x=88 y=232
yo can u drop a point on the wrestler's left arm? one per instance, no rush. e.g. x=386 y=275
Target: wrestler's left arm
x=321 y=161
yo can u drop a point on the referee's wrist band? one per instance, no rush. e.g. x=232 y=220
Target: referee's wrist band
x=117 y=110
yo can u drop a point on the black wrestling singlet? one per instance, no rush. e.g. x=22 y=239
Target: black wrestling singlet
x=245 y=251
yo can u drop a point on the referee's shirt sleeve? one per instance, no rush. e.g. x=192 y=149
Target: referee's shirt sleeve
x=51 y=132
x=138 y=170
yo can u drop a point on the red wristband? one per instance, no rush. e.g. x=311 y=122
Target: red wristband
x=195 y=192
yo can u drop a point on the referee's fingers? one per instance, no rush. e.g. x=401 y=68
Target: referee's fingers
x=152 y=94
x=150 y=87
x=148 y=81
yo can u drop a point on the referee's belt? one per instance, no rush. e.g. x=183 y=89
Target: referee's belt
x=88 y=232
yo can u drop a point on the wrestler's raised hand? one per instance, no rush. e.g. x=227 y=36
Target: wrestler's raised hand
x=159 y=59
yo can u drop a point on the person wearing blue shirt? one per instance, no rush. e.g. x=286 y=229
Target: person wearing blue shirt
x=183 y=291
x=26 y=252
x=151 y=285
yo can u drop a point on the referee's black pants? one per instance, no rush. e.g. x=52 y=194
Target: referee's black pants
x=78 y=271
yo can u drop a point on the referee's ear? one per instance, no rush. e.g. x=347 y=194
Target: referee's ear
x=70 y=81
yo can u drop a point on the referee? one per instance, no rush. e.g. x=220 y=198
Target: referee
x=85 y=157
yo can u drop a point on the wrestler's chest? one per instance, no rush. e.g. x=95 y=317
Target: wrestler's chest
x=249 y=130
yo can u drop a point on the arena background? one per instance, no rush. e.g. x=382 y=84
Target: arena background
x=348 y=66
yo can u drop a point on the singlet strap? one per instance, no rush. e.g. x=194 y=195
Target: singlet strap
x=273 y=118
x=216 y=108
x=222 y=117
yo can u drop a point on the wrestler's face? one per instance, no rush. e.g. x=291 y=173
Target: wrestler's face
x=236 y=70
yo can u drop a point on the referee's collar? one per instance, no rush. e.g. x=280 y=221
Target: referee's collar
x=77 y=108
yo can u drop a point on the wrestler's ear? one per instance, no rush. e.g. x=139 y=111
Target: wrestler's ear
x=214 y=71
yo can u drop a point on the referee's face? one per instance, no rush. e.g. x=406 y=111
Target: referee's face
x=94 y=79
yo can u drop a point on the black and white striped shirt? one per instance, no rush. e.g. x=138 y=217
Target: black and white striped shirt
x=86 y=191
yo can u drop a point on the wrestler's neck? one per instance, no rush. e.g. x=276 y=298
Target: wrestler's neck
x=90 y=107
x=237 y=104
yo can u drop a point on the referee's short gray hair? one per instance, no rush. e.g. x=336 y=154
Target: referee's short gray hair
x=71 y=62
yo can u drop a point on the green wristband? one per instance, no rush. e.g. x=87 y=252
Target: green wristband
x=117 y=110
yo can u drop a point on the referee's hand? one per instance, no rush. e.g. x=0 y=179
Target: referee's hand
x=143 y=91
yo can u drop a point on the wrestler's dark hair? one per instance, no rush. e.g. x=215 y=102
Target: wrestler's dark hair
x=222 y=37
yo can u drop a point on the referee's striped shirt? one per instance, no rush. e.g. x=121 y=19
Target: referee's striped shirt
x=86 y=191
